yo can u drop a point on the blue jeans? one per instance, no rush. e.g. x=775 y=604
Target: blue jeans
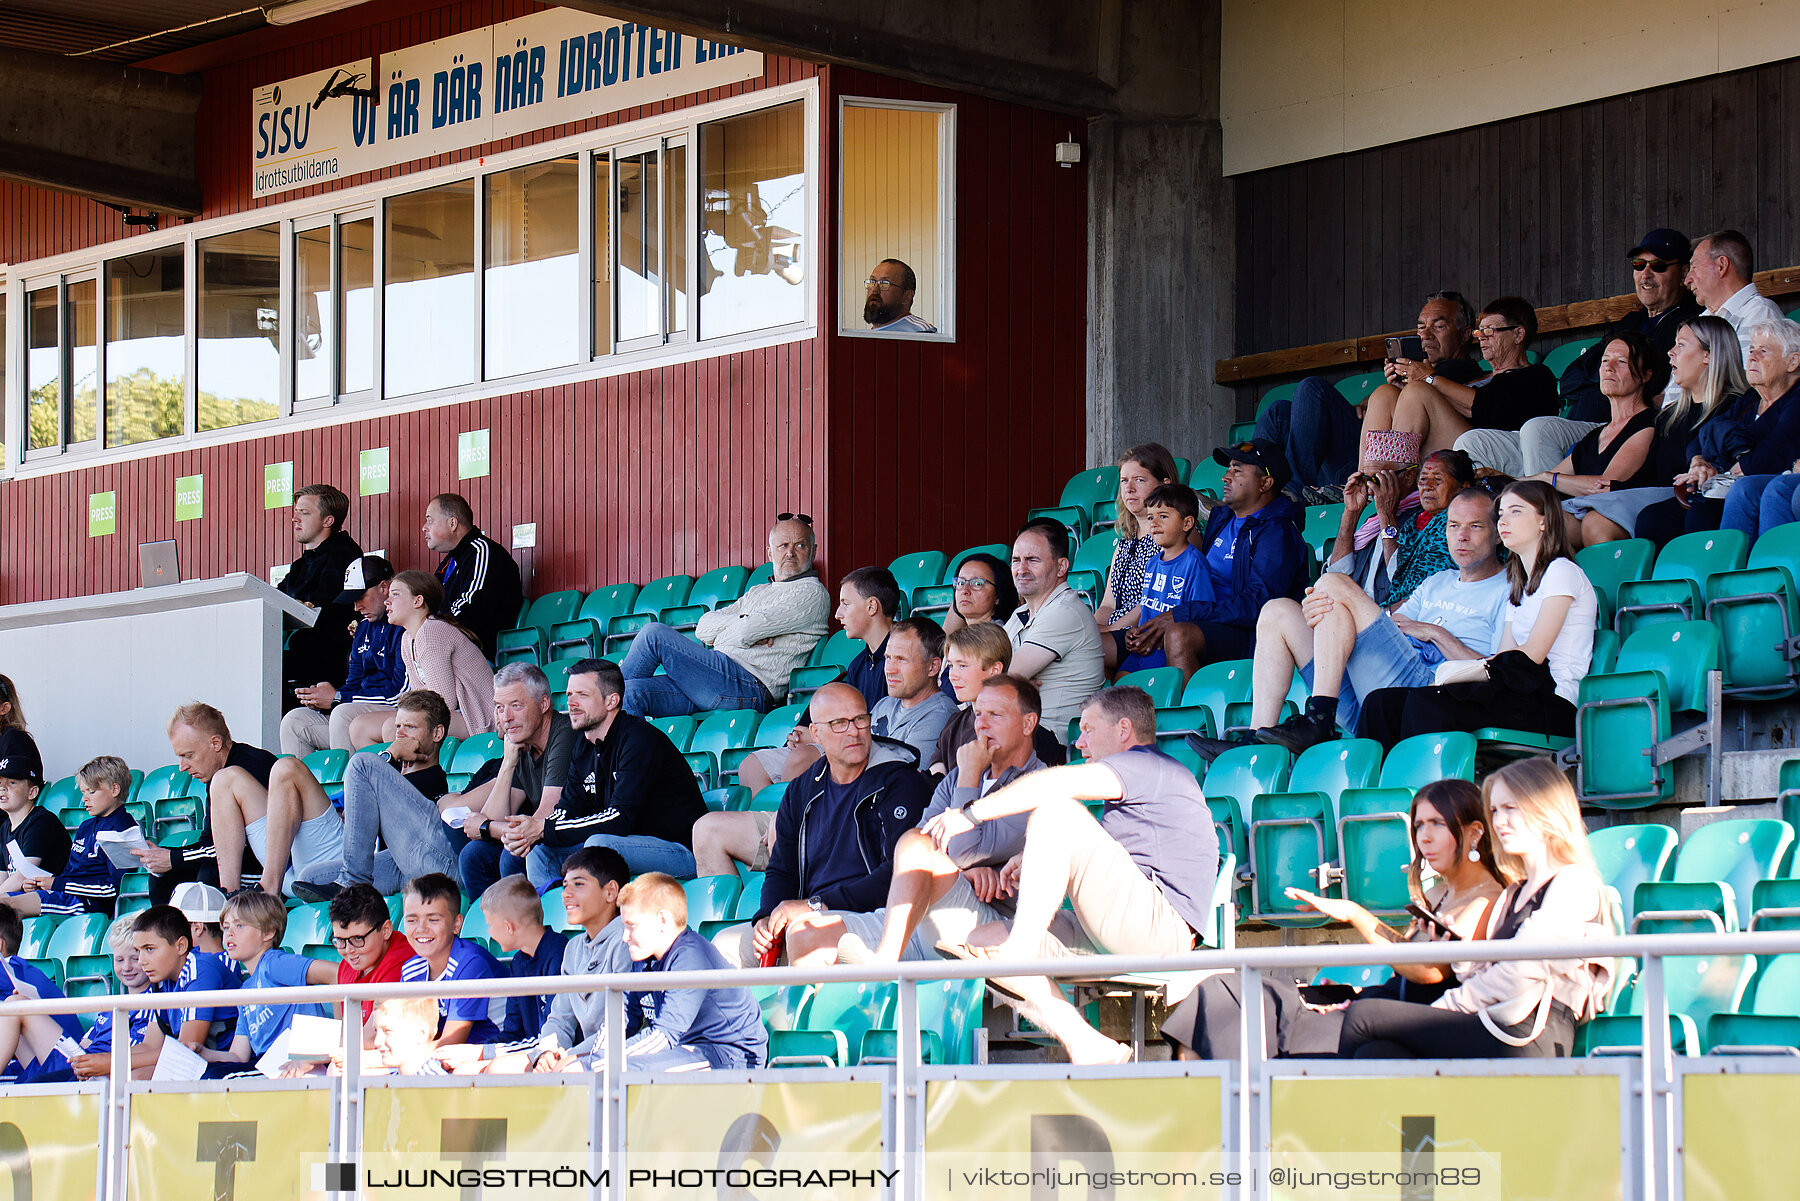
x=1780 y=503
x=698 y=678
x=1318 y=430
x=642 y=853
x=482 y=863
x=381 y=807
x=1743 y=504
x=1383 y=657
x=485 y=862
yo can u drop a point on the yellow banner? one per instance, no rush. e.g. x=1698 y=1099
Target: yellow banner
x=1549 y=1138
x=521 y=1141
x=49 y=1147
x=993 y=1139
x=236 y=1146
x=1738 y=1136
x=767 y=1140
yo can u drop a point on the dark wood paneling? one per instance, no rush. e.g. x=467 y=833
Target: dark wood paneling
x=1542 y=206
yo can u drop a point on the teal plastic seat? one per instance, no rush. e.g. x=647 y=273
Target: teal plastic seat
x=933 y=599
x=529 y=642
x=1375 y=846
x=1244 y=772
x=1736 y=852
x=1770 y=1020
x=1757 y=613
x=1610 y=564
x=1683 y=907
x=833 y=1025
x=679 y=729
x=1558 y=359
x=1367 y=975
x=771 y=731
x=1322 y=522
x=1424 y=758
x=718 y=587
x=1696 y=987
x=999 y=550
x=1357 y=388
x=476 y=750
x=1096 y=553
x=1775 y=905
x=165 y=782
x=920 y=569
x=1072 y=518
x=728 y=799
x=949 y=1015
x=711 y=898
x=1162 y=683
x=1661 y=671
x=78 y=950
x=653 y=600
x=769 y=799
x=1087 y=488
x=475 y=928
x=1630 y=855
x=718 y=732
x=327 y=767
x=1675 y=590
x=63 y=798
x=1787 y=794
x=177 y=819
x=1293 y=832
x=1216 y=687
x=308 y=926
x=580 y=636
x=1234 y=843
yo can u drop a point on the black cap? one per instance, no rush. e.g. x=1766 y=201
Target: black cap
x=19 y=758
x=362 y=575
x=1668 y=244
x=1258 y=452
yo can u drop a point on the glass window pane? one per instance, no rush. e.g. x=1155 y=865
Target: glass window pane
x=146 y=349
x=601 y=284
x=238 y=376
x=429 y=305
x=675 y=204
x=43 y=371
x=533 y=273
x=356 y=276
x=639 y=250
x=81 y=324
x=891 y=197
x=755 y=224
x=315 y=324
x=3 y=399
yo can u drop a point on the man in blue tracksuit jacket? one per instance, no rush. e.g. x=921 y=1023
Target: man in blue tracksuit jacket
x=834 y=836
x=1253 y=551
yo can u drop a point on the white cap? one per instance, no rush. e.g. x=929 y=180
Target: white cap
x=199 y=902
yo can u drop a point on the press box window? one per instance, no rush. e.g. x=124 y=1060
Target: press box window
x=754 y=224
x=897 y=170
x=238 y=359
x=146 y=346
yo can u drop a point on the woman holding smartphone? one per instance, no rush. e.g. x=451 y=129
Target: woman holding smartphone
x=1450 y=843
x=1513 y=1008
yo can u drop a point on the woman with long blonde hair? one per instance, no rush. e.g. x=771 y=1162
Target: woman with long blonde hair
x=1517 y=1007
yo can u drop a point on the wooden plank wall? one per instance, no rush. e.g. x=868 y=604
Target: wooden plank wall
x=1543 y=207
x=946 y=445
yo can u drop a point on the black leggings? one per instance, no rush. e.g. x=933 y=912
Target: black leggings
x=1381 y=1029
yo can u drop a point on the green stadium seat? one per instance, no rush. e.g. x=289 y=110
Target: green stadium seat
x=1322 y=522
x=1663 y=670
x=327 y=767
x=1630 y=855
x=1228 y=823
x=1736 y=852
x=1375 y=846
x=727 y=799
x=767 y=800
x=308 y=929
x=1757 y=612
x=34 y=939
x=1367 y=975
x=476 y=750
x=1096 y=553
x=1163 y=684
x=933 y=599
x=999 y=550
x=555 y=916
x=1086 y=488
x=1178 y=750
x=1787 y=794
x=556 y=673
x=1775 y=905
x=1609 y=564
x=711 y=898
x=79 y=951
x=580 y=636
x=1675 y=590
x=834 y=1022
x=529 y=641
x=1244 y=772
x=1293 y=832
x=1073 y=519
x=63 y=798
x=949 y=1016
x=920 y=569
x=1423 y=758
x=666 y=592
x=1683 y=907
x=718 y=732
x=1357 y=388
x=1696 y=987
x=680 y=730
x=142 y=812
x=1558 y=359
x=718 y=587
x=1090 y=586
x=771 y=731
x=133 y=886
x=475 y=928
x=1770 y=1021
x=1216 y=687
x=178 y=820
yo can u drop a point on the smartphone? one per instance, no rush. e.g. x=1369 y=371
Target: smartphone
x=772 y=956
x=1408 y=347
x=1431 y=919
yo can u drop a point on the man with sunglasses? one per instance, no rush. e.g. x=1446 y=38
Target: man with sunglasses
x=835 y=832
x=746 y=650
x=888 y=306
x=1720 y=276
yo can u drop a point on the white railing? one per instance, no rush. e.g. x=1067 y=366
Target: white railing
x=1652 y=1129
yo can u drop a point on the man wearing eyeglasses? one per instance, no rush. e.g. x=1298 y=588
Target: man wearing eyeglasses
x=1720 y=276
x=746 y=650
x=888 y=307
x=834 y=839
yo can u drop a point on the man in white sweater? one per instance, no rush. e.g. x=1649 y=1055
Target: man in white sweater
x=746 y=650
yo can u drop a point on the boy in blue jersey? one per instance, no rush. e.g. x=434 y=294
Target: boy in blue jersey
x=1177 y=585
x=89 y=882
x=253 y=923
x=32 y=1049
x=165 y=949
x=204 y=907
x=515 y=920
x=433 y=919
x=683 y=1029
x=97 y=1045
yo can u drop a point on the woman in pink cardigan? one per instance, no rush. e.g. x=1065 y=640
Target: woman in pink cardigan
x=440 y=655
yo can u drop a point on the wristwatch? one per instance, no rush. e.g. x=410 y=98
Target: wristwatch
x=485 y=836
x=1391 y=532
x=1432 y=378
x=815 y=904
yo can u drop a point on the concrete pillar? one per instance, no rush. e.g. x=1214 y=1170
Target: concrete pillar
x=1161 y=245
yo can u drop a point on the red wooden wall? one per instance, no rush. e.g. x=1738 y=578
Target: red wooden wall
x=892 y=446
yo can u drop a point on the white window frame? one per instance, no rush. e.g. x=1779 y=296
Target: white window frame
x=349 y=204
x=848 y=325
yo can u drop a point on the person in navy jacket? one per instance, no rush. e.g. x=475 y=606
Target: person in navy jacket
x=89 y=882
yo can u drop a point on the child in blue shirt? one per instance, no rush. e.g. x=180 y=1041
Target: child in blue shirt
x=97 y=1045
x=1177 y=585
x=166 y=952
x=253 y=923
x=89 y=882
x=433 y=918
x=515 y=920
x=31 y=1049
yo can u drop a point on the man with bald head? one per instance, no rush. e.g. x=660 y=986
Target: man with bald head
x=746 y=650
x=834 y=839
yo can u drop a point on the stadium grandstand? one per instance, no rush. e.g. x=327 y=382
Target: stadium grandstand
x=900 y=601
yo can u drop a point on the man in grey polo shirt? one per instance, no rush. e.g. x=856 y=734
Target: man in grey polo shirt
x=1140 y=880
x=1056 y=644
x=913 y=711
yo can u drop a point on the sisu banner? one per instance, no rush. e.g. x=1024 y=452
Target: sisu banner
x=552 y=68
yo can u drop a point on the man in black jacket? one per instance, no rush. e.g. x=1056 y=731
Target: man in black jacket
x=834 y=834
x=628 y=788
x=481 y=581
x=319 y=655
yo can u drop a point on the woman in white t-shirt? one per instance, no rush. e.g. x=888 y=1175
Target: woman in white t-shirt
x=1545 y=643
